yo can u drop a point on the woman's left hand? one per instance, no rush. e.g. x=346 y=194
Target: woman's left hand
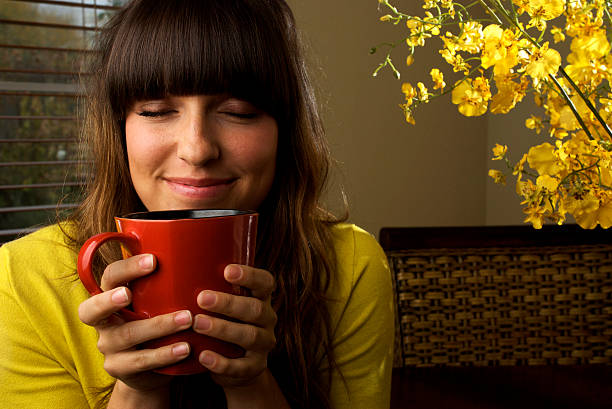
x=254 y=332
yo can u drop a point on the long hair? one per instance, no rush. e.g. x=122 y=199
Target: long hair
x=248 y=49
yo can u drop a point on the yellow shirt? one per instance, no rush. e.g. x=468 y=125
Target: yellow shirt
x=49 y=359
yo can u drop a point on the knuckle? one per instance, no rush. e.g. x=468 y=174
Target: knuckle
x=273 y=318
x=83 y=315
x=251 y=336
x=221 y=365
x=271 y=342
x=126 y=333
x=225 y=302
x=107 y=277
x=257 y=309
x=141 y=360
x=163 y=322
x=110 y=368
x=271 y=284
x=102 y=345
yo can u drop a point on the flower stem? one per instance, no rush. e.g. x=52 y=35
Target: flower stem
x=572 y=106
x=586 y=101
x=491 y=12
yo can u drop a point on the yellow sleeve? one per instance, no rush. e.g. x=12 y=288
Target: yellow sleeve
x=48 y=359
x=364 y=324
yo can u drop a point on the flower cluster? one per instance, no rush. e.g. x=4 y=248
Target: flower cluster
x=510 y=53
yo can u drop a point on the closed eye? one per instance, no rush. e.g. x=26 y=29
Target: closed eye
x=154 y=114
x=241 y=115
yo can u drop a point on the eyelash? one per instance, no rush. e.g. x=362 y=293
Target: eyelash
x=153 y=114
x=156 y=114
x=249 y=115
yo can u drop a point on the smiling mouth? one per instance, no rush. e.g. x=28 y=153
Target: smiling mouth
x=200 y=188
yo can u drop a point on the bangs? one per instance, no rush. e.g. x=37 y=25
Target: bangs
x=190 y=47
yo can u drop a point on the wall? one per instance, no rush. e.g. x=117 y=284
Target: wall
x=395 y=174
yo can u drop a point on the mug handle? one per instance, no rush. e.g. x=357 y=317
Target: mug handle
x=86 y=256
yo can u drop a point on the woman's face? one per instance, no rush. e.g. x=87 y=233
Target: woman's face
x=202 y=151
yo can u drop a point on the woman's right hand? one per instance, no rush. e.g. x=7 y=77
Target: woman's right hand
x=118 y=338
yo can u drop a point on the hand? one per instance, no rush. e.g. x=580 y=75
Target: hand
x=254 y=332
x=118 y=338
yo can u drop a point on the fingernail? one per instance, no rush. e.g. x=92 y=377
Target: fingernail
x=208 y=299
x=202 y=323
x=233 y=272
x=180 y=349
x=119 y=296
x=207 y=359
x=182 y=317
x=146 y=262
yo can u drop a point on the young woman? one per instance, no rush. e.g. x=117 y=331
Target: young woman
x=202 y=104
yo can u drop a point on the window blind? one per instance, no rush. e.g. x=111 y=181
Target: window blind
x=41 y=48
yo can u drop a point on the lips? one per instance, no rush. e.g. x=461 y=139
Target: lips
x=196 y=188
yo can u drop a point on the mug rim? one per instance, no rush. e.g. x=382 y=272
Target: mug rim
x=185 y=214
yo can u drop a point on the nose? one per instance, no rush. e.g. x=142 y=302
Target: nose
x=197 y=144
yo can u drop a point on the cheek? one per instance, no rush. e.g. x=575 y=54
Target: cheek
x=259 y=153
x=143 y=148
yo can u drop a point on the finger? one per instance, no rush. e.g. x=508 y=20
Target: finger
x=128 y=363
x=121 y=337
x=248 y=309
x=123 y=271
x=98 y=308
x=245 y=368
x=260 y=282
x=249 y=337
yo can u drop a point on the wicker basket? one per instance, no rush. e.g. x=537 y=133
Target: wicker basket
x=503 y=306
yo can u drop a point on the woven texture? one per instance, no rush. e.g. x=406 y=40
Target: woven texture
x=503 y=306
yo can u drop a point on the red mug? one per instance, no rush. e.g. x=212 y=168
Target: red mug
x=192 y=248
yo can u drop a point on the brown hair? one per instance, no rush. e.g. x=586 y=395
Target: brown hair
x=248 y=49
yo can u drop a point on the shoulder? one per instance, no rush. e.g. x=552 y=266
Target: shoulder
x=357 y=248
x=360 y=264
x=38 y=259
x=50 y=239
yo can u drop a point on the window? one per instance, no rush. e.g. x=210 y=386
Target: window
x=41 y=46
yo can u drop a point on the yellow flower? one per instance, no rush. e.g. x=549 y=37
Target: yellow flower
x=535 y=216
x=590 y=46
x=481 y=84
x=456 y=60
x=409 y=60
x=542 y=159
x=567 y=118
x=522 y=6
x=542 y=10
x=499 y=151
x=438 y=78
x=501 y=49
x=494 y=50
x=470 y=39
x=544 y=61
x=497 y=176
x=558 y=35
x=547 y=182
x=534 y=122
x=509 y=93
x=409 y=92
x=407 y=113
x=471 y=102
x=589 y=210
x=423 y=92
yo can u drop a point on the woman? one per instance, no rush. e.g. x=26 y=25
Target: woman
x=202 y=104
